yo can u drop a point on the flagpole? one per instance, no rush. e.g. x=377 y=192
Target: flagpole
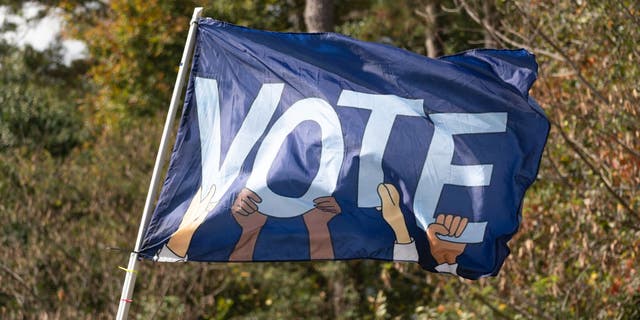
x=132 y=267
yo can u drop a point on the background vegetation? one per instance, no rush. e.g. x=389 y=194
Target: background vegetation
x=77 y=144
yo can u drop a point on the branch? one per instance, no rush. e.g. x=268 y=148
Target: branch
x=21 y=281
x=582 y=154
x=633 y=17
x=585 y=157
x=455 y=9
x=624 y=146
x=15 y=276
x=556 y=168
x=493 y=308
x=600 y=132
x=500 y=36
x=565 y=56
x=538 y=313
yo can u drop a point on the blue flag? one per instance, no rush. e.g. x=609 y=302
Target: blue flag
x=321 y=147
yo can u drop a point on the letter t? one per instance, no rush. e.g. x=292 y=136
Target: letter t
x=384 y=109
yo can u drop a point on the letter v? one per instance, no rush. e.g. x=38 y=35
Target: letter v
x=220 y=174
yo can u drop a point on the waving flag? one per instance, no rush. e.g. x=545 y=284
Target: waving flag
x=320 y=147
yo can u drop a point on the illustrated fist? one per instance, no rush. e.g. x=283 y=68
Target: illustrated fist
x=446 y=225
x=325 y=208
x=245 y=210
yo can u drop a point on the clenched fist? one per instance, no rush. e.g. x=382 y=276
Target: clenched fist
x=446 y=225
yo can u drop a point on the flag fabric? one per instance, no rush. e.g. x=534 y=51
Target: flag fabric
x=296 y=146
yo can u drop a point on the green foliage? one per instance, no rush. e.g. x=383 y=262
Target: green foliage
x=77 y=144
x=38 y=111
x=398 y=23
x=136 y=48
x=267 y=15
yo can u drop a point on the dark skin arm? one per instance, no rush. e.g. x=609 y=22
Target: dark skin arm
x=316 y=220
x=245 y=211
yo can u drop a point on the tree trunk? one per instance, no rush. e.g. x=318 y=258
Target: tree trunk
x=337 y=296
x=430 y=28
x=488 y=20
x=318 y=15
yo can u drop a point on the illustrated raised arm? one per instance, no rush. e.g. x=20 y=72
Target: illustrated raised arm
x=404 y=248
x=199 y=207
x=391 y=212
x=316 y=220
x=245 y=212
x=446 y=225
x=444 y=252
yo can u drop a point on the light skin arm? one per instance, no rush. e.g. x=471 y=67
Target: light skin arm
x=194 y=216
x=446 y=225
x=391 y=212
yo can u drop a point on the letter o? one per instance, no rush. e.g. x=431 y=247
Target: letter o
x=331 y=157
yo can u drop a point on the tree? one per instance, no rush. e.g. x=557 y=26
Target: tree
x=430 y=15
x=318 y=15
x=76 y=146
x=39 y=107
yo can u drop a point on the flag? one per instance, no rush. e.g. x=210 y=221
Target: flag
x=296 y=146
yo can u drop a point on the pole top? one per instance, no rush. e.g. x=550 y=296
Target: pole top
x=197 y=13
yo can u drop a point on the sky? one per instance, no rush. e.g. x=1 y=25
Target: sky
x=40 y=33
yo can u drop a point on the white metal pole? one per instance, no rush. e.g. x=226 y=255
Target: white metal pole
x=132 y=267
